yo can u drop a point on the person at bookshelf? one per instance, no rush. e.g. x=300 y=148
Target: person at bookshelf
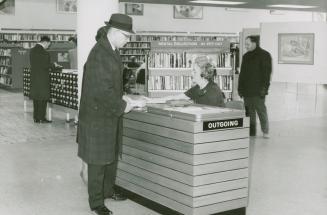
x=204 y=91
x=40 y=79
x=140 y=78
x=127 y=75
x=102 y=106
x=254 y=81
x=133 y=64
x=72 y=53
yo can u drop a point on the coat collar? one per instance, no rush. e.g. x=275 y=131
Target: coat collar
x=104 y=42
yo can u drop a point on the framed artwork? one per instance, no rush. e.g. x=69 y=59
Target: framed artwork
x=296 y=48
x=188 y=12
x=134 y=9
x=67 y=6
x=7 y=7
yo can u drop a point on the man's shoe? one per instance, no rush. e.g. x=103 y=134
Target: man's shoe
x=45 y=121
x=102 y=210
x=266 y=135
x=37 y=121
x=118 y=197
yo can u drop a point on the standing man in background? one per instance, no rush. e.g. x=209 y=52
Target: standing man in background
x=40 y=79
x=254 y=82
x=102 y=106
x=72 y=53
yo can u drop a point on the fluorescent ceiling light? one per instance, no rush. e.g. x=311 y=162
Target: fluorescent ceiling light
x=292 y=6
x=218 y=2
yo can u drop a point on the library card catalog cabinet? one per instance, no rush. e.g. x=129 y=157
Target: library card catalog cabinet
x=191 y=159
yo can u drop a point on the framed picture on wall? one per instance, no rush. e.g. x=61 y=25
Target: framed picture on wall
x=66 y=6
x=296 y=48
x=7 y=7
x=188 y=12
x=134 y=9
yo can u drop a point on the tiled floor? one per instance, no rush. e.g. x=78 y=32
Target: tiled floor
x=39 y=169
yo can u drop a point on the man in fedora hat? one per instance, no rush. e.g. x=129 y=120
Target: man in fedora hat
x=102 y=106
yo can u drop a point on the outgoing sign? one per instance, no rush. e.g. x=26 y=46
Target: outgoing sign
x=222 y=124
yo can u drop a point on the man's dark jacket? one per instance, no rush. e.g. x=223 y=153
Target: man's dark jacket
x=40 y=73
x=99 y=132
x=255 y=73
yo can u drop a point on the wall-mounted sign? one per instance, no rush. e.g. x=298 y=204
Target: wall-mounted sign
x=221 y=44
x=222 y=124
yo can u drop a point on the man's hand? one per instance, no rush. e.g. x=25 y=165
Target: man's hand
x=263 y=93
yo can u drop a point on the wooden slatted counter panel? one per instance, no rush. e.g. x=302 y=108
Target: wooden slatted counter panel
x=174 y=162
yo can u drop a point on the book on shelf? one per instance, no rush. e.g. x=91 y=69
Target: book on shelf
x=185 y=60
x=169 y=82
x=28 y=39
x=225 y=82
x=5 y=52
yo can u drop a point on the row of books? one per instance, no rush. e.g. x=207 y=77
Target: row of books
x=170 y=60
x=5 y=61
x=139 y=58
x=137 y=45
x=33 y=37
x=175 y=38
x=5 y=52
x=184 y=59
x=5 y=70
x=169 y=82
x=133 y=51
x=6 y=80
x=225 y=82
x=224 y=60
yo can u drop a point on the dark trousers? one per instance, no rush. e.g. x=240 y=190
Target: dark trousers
x=256 y=105
x=40 y=108
x=101 y=181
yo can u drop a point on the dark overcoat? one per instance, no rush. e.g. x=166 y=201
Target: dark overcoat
x=99 y=132
x=256 y=68
x=40 y=73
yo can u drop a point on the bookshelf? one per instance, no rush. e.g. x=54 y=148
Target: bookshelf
x=12 y=59
x=170 y=60
x=27 y=38
x=139 y=49
x=14 y=45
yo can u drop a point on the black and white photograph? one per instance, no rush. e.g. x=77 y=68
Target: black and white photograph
x=161 y=107
x=188 y=12
x=296 y=48
x=67 y=6
x=134 y=9
x=7 y=7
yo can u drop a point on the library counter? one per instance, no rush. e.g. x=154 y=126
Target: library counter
x=193 y=160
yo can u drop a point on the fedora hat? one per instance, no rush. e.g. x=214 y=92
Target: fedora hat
x=121 y=22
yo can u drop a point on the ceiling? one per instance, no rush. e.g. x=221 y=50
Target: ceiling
x=321 y=5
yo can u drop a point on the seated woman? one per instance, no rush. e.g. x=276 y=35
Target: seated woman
x=205 y=91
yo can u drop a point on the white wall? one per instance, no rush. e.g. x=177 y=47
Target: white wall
x=316 y=73
x=159 y=17
x=91 y=16
x=38 y=14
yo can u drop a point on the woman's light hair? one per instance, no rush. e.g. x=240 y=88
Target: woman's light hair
x=208 y=70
